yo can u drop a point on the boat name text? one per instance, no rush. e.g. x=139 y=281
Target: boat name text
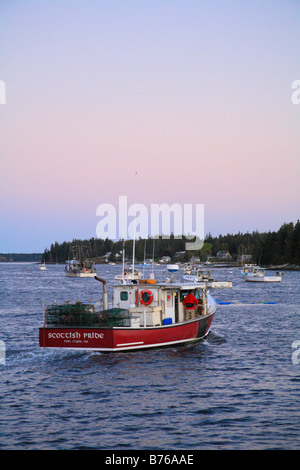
x=75 y=335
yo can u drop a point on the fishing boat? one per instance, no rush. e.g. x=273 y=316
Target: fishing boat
x=144 y=315
x=198 y=275
x=80 y=265
x=254 y=273
x=129 y=275
x=42 y=267
x=77 y=268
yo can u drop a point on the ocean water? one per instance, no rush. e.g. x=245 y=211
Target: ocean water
x=237 y=389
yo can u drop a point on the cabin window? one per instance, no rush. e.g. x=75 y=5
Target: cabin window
x=197 y=294
x=124 y=295
x=170 y=299
x=183 y=294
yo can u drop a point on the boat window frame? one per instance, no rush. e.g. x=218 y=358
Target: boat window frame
x=126 y=295
x=184 y=293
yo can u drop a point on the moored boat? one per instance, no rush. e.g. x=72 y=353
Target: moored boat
x=198 y=275
x=254 y=273
x=76 y=268
x=80 y=265
x=129 y=275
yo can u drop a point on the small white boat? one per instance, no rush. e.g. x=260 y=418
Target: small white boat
x=42 y=267
x=201 y=277
x=197 y=275
x=128 y=275
x=254 y=273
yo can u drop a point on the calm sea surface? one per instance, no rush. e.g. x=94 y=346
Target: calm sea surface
x=238 y=389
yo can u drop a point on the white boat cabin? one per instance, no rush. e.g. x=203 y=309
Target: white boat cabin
x=253 y=269
x=154 y=304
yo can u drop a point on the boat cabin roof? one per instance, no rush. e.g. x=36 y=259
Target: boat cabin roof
x=170 y=286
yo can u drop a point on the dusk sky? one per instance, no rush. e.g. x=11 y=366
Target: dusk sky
x=193 y=95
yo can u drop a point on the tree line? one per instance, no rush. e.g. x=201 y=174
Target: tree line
x=20 y=257
x=281 y=247
x=267 y=248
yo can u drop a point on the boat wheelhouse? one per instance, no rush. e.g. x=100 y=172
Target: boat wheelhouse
x=152 y=304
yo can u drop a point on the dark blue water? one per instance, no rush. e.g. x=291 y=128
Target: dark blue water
x=238 y=389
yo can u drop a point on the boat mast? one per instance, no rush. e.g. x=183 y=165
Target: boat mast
x=133 y=247
x=123 y=257
x=153 y=255
x=144 y=259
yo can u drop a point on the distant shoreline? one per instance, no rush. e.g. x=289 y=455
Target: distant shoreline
x=20 y=257
x=35 y=258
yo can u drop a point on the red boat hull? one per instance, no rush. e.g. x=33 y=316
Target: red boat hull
x=125 y=339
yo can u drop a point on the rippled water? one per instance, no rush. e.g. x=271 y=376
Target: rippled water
x=238 y=389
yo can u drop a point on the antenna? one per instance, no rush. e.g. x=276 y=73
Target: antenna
x=153 y=254
x=172 y=268
x=133 y=247
x=144 y=259
x=123 y=260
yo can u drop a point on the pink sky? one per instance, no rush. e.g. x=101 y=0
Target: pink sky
x=194 y=96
